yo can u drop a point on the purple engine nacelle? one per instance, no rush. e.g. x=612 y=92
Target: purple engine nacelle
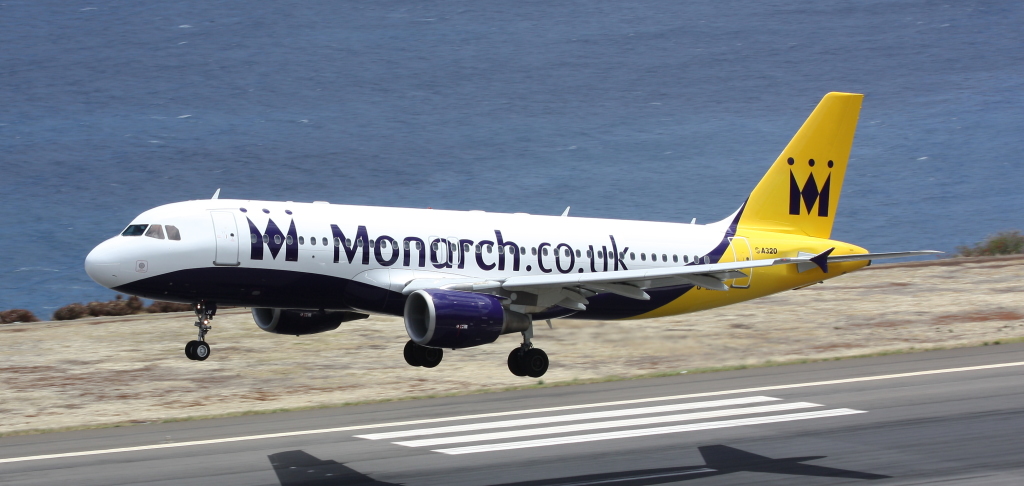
x=454 y=319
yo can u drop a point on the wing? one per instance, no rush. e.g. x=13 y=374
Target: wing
x=571 y=290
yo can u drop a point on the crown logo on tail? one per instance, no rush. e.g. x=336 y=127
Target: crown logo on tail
x=810 y=194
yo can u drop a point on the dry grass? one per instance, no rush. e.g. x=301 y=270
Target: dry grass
x=128 y=369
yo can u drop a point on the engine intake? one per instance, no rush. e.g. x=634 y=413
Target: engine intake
x=300 y=322
x=453 y=319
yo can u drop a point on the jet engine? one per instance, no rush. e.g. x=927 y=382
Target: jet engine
x=454 y=319
x=300 y=322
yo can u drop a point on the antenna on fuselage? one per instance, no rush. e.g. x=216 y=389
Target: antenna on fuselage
x=216 y=195
x=565 y=214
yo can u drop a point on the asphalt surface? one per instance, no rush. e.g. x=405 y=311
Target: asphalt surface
x=950 y=417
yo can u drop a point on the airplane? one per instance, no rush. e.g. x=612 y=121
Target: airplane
x=463 y=278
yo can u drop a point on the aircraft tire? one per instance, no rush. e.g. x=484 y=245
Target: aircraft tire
x=411 y=356
x=430 y=357
x=190 y=350
x=535 y=363
x=201 y=350
x=515 y=360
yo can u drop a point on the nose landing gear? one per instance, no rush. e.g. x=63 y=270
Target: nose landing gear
x=199 y=350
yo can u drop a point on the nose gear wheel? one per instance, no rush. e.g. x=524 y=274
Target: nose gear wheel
x=199 y=349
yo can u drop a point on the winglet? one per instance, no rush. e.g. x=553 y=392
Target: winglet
x=821 y=259
x=216 y=195
x=565 y=214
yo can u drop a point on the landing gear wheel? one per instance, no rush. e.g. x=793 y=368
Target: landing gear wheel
x=534 y=363
x=190 y=348
x=411 y=356
x=515 y=359
x=417 y=355
x=429 y=357
x=201 y=351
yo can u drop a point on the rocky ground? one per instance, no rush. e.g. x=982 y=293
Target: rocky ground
x=133 y=369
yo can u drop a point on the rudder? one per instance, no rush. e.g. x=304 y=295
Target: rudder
x=800 y=192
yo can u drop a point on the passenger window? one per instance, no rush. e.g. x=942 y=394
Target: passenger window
x=288 y=240
x=337 y=241
x=578 y=254
x=172 y=233
x=545 y=252
x=643 y=257
x=522 y=250
x=590 y=254
x=632 y=256
x=675 y=258
x=302 y=241
x=312 y=240
x=533 y=251
x=664 y=257
x=489 y=248
x=686 y=259
x=134 y=230
x=252 y=236
x=371 y=243
x=277 y=239
x=433 y=246
x=501 y=249
x=419 y=245
x=324 y=241
x=384 y=244
x=157 y=231
x=465 y=247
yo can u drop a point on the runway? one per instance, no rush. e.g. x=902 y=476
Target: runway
x=953 y=417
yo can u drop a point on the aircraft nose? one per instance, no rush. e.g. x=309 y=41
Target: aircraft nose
x=103 y=266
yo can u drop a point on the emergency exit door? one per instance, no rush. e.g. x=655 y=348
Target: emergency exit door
x=741 y=253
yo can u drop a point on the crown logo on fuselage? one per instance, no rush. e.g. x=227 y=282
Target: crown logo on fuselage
x=810 y=194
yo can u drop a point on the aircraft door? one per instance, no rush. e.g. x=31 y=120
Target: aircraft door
x=226 y=233
x=741 y=252
x=438 y=248
x=455 y=253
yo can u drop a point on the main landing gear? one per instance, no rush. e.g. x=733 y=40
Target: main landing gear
x=199 y=349
x=417 y=355
x=527 y=360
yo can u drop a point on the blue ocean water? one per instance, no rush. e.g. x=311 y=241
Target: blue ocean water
x=655 y=110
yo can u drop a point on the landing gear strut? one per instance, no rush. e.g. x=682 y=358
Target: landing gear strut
x=199 y=350
x=527 y=360
x=417 y=355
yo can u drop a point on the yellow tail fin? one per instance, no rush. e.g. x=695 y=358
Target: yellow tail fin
x=800 y=192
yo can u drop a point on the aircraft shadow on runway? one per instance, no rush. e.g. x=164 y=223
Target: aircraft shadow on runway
x=297 y=468
x=718 y=460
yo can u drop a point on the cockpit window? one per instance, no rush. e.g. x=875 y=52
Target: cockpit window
x=155 y=231
x=134 y=230
x=172 y=233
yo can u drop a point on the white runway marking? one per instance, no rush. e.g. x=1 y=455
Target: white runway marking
x=567 y=418
x=611 y=424
x=195 y=443
x=574 y=439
